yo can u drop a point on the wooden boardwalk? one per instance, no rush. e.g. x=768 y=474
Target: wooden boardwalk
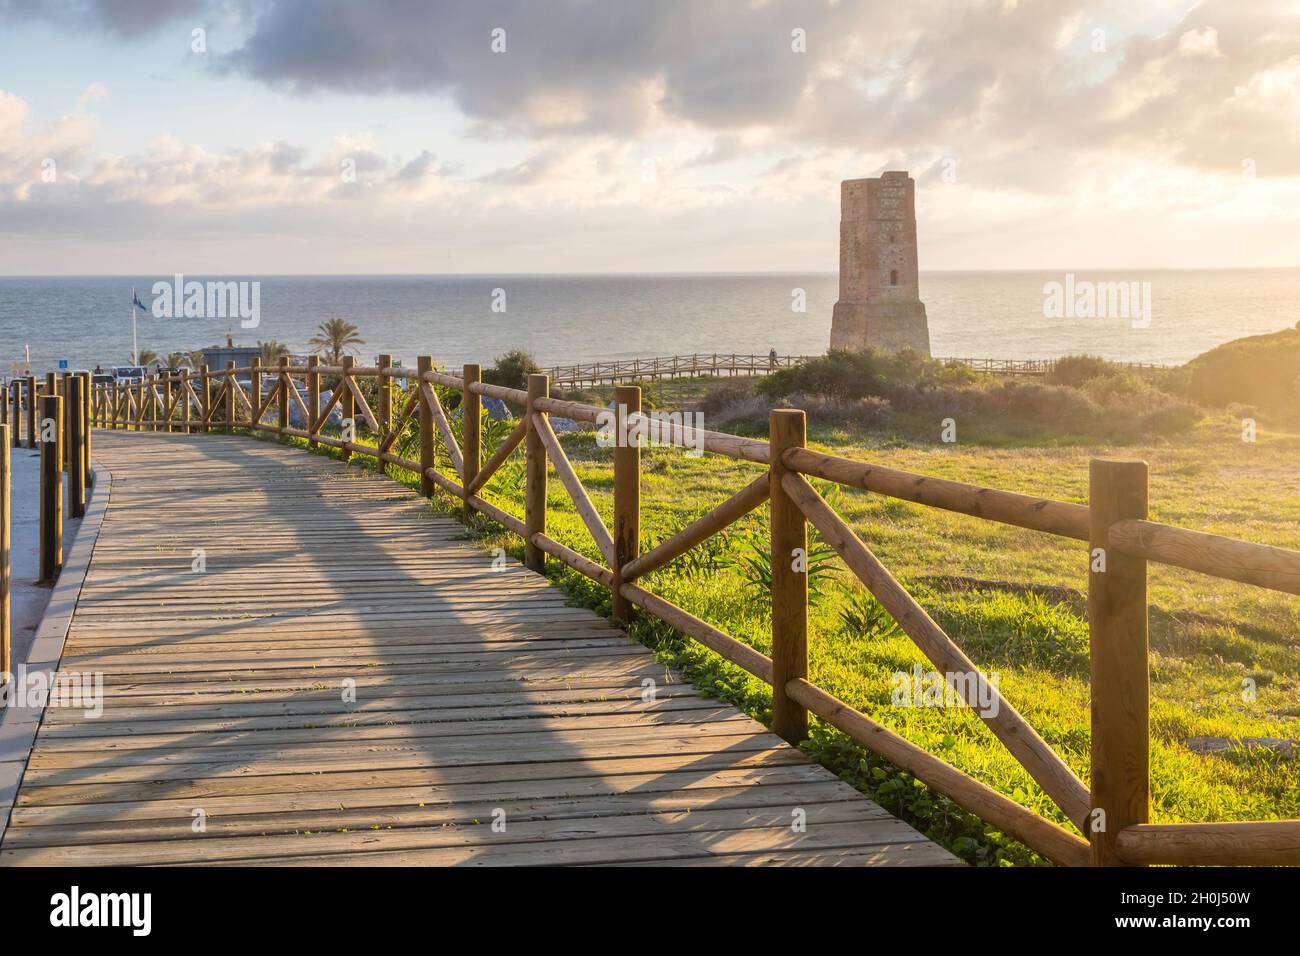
x=491 y=724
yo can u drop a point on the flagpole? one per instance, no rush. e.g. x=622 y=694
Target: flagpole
x=135 y=343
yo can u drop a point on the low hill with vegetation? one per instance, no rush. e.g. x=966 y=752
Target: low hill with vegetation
x=1259 y=374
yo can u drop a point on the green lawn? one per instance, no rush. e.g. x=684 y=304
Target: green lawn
x=1207 y=636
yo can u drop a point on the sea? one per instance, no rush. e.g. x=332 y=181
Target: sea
x=563 y=319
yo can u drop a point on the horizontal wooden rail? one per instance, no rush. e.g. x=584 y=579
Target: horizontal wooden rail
x=738 y=652
x=1259 y=564
x=1247 y=843
x=1025 y=511
x=573 y=559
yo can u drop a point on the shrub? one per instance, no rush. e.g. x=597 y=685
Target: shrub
x=869 y=412
x=512 y=369
x=1077 y=369
x=841 y=375
x=1173 y=419
x=846 y=375
x=723 y=396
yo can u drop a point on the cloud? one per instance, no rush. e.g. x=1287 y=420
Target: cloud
x=120 y=17
x=1062 y=120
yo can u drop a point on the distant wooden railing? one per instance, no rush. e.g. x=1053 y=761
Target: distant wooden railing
x=1112 y=810
x=716 y=364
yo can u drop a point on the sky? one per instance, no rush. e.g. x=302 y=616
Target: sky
x=246 y=137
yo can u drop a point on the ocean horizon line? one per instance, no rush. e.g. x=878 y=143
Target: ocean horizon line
x=1127 y=270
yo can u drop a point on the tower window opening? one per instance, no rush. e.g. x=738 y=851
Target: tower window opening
x=893 y=277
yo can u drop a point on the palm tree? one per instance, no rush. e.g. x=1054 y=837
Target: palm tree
x=177 y=359
x=147 y=357
x=334 y=338
x=272 y=350
x=196 y=359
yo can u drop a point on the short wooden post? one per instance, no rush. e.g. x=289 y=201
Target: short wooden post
x=186 y=427
x=205 y=397
x=51 y=520
x=255 y=385
x=1117 y=625
x=6 y=519
x=313 y=398
x=166 y=411
x=88 y=413
x=153 y=401
x=627 y=492
x=282 y=420
x=231 y=406
x=32 y=411
x=424 y=363
x=384 y=401
x=75 y=444
x=67 y=415
x=384 y=392
x=16 y=417
x=471 y=452
x=786 y=429
x=347 y=407
x=539 y=386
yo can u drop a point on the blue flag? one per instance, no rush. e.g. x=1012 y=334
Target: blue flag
x=135 y=301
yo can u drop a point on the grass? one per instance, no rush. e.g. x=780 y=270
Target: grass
x=1208 y=637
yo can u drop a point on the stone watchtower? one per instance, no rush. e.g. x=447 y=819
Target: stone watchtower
x=880 y=303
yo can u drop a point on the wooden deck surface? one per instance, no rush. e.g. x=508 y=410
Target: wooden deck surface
x=479 y=696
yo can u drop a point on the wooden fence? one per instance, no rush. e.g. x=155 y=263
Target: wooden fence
x=1117 y=540
x=701 y=365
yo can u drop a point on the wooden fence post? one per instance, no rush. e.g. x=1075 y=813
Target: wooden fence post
x=186 y=411
x=313 y=398
x=51 y=521
x=347 y=405
x=166 y=411
x=282 y=420
x=539 y=386
x=88 y=417
x=75 y=444
x=153 y=401
x=31 y=411
x=255 y=384
x=786 y=429
x=384 y=401
x=67 y=415
x=231 y=406
x=627 y=492
x=424 y=363
x=471 y=452
x=6 y=519
x=1117 y=626
x=205 y=397
x=16 y=418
